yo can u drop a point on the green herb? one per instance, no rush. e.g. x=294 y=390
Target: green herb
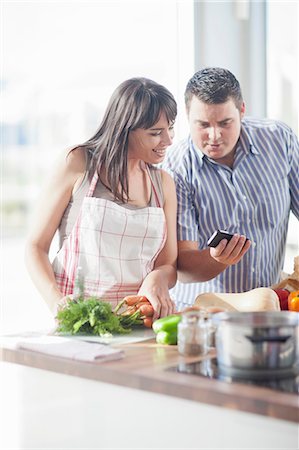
x=92 y=316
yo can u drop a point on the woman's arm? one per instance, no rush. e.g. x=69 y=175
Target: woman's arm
x=157 y=283
x=64 y=180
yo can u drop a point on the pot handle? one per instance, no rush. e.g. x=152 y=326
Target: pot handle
x=258 y=339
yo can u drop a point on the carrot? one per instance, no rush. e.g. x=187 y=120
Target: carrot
x=133 y=299
x=146 y=310
x=130 y=310
x=139 y=305
x=148 y=322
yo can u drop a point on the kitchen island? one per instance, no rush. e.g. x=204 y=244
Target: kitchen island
x=138 y=403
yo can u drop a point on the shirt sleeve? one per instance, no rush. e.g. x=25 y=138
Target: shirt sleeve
x=187 y=222
x=293 y=152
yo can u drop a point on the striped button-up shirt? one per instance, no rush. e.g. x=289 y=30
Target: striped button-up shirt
x=254 y=199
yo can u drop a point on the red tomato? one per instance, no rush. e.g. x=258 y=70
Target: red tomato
x=283 y=295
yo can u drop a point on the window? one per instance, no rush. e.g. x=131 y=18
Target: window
x=61 y=62
x=282 y=82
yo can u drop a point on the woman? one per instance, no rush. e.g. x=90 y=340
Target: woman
x=115 y=212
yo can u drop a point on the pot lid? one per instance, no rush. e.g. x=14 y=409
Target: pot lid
x=258 y=318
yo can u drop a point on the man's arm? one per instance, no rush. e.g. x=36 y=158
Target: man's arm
x=196 y=265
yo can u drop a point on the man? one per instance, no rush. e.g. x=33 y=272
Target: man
x=236 y=174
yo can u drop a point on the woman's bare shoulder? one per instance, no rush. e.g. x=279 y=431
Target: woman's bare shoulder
x=74 y=159
x=69 y=168
x=167 y=179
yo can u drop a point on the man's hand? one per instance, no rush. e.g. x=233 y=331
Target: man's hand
x=231 y=252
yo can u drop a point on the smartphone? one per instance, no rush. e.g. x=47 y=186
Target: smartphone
x=217 y=237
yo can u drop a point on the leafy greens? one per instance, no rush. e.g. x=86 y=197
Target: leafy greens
x=89 y=316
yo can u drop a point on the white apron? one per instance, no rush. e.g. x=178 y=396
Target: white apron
x=116 y=247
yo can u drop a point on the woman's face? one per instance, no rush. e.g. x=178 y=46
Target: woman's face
x=150 y=145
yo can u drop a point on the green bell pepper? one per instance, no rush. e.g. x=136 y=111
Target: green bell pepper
x=167 y=337
x=168 y=323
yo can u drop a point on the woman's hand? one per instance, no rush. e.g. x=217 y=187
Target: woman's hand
x=155 y=289
x=231 y=252
x=64 y=301
x=60 y=304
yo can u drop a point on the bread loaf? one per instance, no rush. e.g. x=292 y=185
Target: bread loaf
x=259 y=299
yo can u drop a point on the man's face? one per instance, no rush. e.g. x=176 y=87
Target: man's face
x=215 y=129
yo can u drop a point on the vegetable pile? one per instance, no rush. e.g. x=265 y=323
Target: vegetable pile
x=135 y=310
x=93 y=316
x=289 y=300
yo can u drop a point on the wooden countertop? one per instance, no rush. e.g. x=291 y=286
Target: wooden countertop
x=144 y=367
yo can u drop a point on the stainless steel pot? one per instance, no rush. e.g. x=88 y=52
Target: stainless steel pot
x=257 y=340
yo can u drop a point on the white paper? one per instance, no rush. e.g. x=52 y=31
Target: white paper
x=70 y=348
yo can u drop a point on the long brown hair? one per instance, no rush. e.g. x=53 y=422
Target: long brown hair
x=136 y=103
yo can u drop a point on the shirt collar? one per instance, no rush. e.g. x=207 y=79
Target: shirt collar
x=246 y=142
x=199 y=154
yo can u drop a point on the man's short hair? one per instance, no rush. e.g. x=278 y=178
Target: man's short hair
x=214 y=85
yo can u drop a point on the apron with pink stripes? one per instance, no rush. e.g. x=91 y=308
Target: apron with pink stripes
x=116 y=247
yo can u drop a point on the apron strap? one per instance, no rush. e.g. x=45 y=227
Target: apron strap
x=93 y=184
x=158 y=203
x=95 y=178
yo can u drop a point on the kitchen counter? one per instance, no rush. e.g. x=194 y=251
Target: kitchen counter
x=144 y=368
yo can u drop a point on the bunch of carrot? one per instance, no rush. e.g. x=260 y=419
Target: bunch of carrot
x=135 y=310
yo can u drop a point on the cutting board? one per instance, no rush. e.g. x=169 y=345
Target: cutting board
x=138 y=335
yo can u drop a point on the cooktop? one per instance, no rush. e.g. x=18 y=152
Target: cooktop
x=280 y=380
